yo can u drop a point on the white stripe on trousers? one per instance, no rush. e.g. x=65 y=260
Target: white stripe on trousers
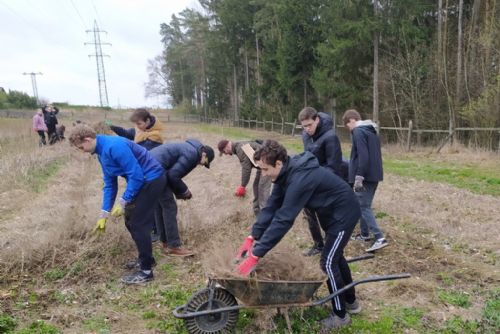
x=329 y=268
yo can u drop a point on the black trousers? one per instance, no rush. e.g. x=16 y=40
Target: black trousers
x=314 y=228
x=42 y=141
x=139 y=219
x=166 y=218
x=334 y=264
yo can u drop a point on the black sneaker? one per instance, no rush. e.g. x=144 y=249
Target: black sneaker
x=360 y=237
x=138 y=277
x=378 y=244
x=315 y=250
x=353 y=308
x=135 y=264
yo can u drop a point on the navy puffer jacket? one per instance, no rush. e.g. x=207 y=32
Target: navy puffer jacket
x=179 y=159
x=366 y=156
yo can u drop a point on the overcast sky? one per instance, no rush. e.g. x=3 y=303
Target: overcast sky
x=48 y=36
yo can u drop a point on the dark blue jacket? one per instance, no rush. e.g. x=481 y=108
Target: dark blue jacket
x=303 y=183
x=325 y=145
x=366 y=157
x=178 y=159
x=130 y=134
x=121 y=157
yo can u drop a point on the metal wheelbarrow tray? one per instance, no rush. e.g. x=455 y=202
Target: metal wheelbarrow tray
x=215 y=309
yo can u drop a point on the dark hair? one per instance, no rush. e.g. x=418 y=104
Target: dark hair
x=307 y=113
x=140 y=114
x=351 y=114
x=270 y=152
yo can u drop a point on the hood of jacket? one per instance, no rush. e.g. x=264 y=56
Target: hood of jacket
x=325 y=124
x=367 y=125
x=296 y=164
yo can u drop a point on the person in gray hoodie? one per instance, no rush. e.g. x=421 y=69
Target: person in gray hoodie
x=365 y=172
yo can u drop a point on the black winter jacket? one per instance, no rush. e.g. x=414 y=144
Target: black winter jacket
x=325 y=145
x=178 y=159
x=303 y=183
x=366 y=156
x=49 y=117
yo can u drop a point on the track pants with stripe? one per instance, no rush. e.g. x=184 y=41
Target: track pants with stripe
x=334 y=264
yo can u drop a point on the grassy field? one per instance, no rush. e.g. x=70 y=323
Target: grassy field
x=57 y=277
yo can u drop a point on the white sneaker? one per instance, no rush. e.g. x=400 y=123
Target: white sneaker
x=378 y=244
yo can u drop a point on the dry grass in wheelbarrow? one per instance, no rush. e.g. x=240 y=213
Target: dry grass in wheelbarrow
x=283 y=263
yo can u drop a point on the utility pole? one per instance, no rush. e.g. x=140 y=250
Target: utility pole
x=33 y=83
x=101 y=74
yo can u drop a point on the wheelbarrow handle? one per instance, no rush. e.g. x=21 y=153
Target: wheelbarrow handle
x=178 y=312
x=353 y=284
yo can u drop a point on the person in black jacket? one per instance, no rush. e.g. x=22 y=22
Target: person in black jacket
x=49 y=116
x=320 y=139
x=178 y=159
x=300 y=182
x=365 y=172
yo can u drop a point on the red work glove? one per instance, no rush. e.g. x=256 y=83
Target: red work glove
x=248 y=266
x=240 y=191
x=245 y=248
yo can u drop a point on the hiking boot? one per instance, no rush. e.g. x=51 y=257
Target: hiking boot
x=334 y=322
x=360 y=237
x=136 y=264
x=353 y=308
x=314 y=250
x=138 y=277
x=177 y=251
x=378 y=244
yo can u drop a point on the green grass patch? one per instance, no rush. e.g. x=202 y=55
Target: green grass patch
x=456 y=298
x=491 y=311
x=54 y=274
x=97 y=324
x=477 y=179
x=39 y=176
x=457 y=325
x=39 y=327
x=7 y=323
x=149 y=315
x=445 y=278
x=169 y=270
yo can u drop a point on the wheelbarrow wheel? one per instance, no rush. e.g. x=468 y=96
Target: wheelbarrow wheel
x=217 y=323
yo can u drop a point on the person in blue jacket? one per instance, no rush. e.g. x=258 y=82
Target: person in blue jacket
x=300 y=182
x=365 y=172
x=145 y=182
x=178 y=159
x=320 y=139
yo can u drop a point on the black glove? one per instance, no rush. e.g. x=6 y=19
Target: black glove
x=185 y=196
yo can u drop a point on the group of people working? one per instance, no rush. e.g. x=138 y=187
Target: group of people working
x=335 y=194
x=45 y=121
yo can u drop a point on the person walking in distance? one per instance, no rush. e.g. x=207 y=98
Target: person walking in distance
x=320 y=139
x=365 y=172
x=50 y=118
x=40 y=127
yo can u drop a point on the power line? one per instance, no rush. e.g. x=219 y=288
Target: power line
x=101 y=74
x=78 y=12
x=96 y=13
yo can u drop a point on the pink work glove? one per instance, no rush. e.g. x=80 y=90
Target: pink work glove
x=245 y=248
x=248 y=265
x=240 y=191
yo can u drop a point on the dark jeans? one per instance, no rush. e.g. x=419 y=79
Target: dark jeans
x=367 y=222
x=139 y=219
x=42 y=141
x=335 y=265
x=314 y=228
x=166 y=218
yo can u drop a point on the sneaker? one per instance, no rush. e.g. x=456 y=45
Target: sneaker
x=334 y=322
x=138 y=277
x=378 y=244
x=177 y=251
x=313 y=251
x=353 y=308
x=135 y=264
x=360 y=237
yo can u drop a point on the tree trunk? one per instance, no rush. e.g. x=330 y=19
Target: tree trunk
x=247 y=80
x=375 y=67
x=440 y=33
x=458 y=84
x=258 y=71
x=305 y=92
x=235 y=93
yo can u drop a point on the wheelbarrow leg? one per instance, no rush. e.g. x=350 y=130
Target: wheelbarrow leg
x=284 y=311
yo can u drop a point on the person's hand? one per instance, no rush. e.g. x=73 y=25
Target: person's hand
x=244 y=248
x=185 y=196
x=358 y=183
x=119 y=208
x=248 y=265
x=100 y=226
x=240 y=191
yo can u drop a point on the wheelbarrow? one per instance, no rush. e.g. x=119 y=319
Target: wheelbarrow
x=215 y=309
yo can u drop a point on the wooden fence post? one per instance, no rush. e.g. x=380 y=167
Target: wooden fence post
x=408 y=142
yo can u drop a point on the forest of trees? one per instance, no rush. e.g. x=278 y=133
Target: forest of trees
x=17 y=100
x=435 y=62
